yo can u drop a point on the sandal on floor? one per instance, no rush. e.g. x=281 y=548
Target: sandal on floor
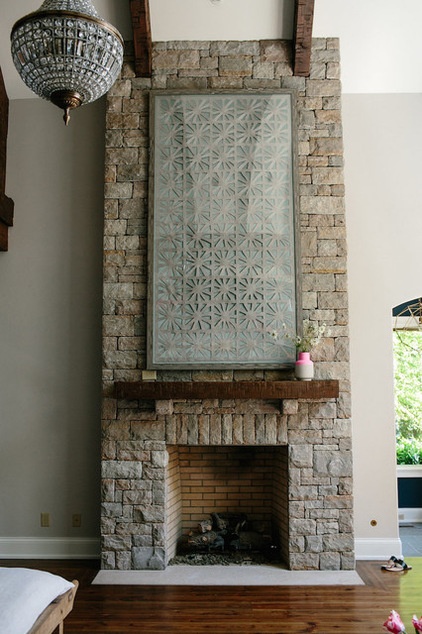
x=390 y=564
x=399 y=565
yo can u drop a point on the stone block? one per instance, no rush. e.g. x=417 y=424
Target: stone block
x=329 y=265
x=226 y=83
x=115 y=542
x=123 y=560
x=163 y=408
x=276 y=51
x=149 y=513
x=333 y=463
x=263 y=70
x=110 y=509
x=313 y=544
x=137 y=497
x=298 y=492
x=291 y=83
x=226 y=429
x=322 y=88
x=158 y=492
x=187 y=83
x=347 y=561
x=186 y=45
x=322 y=205
x=328 y=175
x=115 y=326
x=327 y=409
x=235 y=48
x=121 y=156
x=304 y=561
x=108 y=560
x=159 y=458
x=107 y=490
x=330 y=561
x=118 y=190
x=121 y=88
x=143 y=541
x=301 y=455
x=121 y=469
x=318 y=70
x=338 y=543
x=148 y=558
x=327 y=248
x=297 y=544
x=238 y=65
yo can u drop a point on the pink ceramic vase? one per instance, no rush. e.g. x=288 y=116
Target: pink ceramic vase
x=304 y=367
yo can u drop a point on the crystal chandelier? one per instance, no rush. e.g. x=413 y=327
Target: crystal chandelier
x=66 y=53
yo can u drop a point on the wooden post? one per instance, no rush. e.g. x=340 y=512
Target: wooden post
x=302 y=37
x=142 y=41
x=6 y=203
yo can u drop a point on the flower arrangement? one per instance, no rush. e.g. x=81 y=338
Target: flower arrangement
x=395 y=624
x=311 y=335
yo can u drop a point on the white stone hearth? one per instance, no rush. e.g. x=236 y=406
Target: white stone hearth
x=228 y=576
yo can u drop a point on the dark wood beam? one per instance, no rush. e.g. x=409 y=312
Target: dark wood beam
x=6 y=203
x=302 y=37
x=142 y=42
x=181 y=390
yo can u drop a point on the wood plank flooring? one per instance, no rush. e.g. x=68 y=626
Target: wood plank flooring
x=238 y=610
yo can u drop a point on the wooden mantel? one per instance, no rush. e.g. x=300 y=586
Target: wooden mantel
x=182 y=390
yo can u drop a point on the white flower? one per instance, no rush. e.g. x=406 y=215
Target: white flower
x=311 y=335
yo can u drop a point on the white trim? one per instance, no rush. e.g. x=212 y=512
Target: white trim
x=89 y=548
x=49 y=548
x=407 y=515
x=409 y=470
x=377 y=549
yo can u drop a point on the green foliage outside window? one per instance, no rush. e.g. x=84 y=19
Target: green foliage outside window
x=408 y=395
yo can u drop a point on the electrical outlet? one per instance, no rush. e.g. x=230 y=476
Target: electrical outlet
x=76 y=520
x=45 y=520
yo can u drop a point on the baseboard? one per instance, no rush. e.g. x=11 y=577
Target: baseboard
x=377 y=549
x=409 y=515
x=49 y=548
x=89 y=548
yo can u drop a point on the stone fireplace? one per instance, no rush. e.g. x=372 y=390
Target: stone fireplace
x=282 y=456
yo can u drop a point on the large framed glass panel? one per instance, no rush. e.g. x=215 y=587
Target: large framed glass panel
x=222 y=234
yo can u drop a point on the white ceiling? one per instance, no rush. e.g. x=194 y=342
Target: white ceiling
x=381 y=47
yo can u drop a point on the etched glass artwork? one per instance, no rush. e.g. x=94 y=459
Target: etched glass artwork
x=222 y=234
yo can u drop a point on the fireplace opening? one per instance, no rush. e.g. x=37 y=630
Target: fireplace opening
x=226 y=504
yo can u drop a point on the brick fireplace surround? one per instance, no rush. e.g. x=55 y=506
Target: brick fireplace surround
x=303 y=445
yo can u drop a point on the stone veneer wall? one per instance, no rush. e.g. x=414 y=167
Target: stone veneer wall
x=318 y=433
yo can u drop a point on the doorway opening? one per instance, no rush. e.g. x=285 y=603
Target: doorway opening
x=407 y=347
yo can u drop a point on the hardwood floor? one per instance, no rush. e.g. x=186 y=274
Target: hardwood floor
x=238 y=610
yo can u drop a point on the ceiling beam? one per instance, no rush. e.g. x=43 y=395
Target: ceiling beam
x=6 y=203
x=141 y=23
x=302 y=37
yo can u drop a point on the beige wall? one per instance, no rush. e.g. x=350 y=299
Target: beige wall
x=383 y=138
x=50 y=325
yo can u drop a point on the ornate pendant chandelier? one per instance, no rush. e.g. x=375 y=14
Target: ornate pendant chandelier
x=66 y=53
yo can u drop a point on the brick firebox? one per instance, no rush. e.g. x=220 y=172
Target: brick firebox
x=140 y=439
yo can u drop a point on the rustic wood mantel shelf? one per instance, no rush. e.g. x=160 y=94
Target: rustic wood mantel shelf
x=181 y=390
